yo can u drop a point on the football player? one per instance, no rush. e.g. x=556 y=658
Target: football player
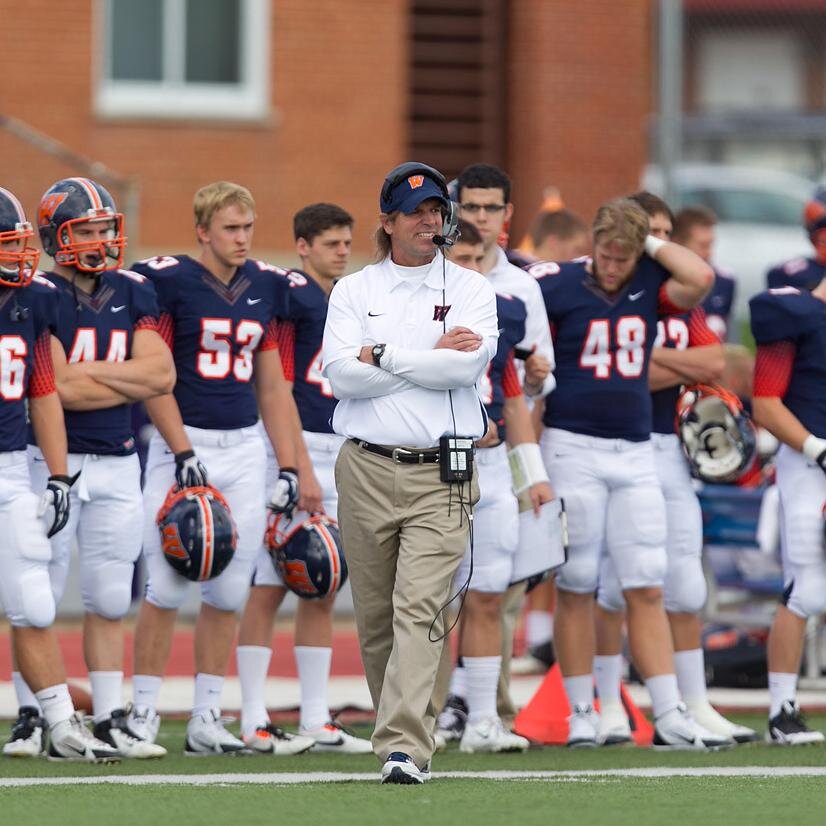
x=695 y=228
x=219 y=317
x=806 y=273
x=597 y=449
x=323 y=235
x=27 y=320
x=685 y=351
x=473 y=687
x=107 y=353
x=789 y=326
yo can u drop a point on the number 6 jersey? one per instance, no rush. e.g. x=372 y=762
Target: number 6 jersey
x=603 y=344
x=214 y=331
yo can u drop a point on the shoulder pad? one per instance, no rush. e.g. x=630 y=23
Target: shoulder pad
x=781 y=314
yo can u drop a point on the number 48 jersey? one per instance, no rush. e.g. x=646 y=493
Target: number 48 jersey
x=214 y=331
x=603 y=344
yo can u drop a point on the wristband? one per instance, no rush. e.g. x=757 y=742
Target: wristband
x=527 y=467
x=814 y=447
x=652 y=244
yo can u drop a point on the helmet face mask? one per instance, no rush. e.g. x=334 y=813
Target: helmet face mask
x=18 y=260
x=306 y=551
x=68 y=205
x=717 y=437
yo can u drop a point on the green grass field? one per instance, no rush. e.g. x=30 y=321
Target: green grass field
x=252 y=790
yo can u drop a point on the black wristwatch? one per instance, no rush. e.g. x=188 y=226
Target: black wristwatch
x=377 y=352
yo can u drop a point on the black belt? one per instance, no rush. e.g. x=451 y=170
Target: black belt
x=402 y=455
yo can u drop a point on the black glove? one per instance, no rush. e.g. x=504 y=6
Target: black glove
x=57 y=498
x=189 y=472
x=285 y=493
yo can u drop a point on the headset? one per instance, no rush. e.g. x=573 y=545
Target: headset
x=450 y=222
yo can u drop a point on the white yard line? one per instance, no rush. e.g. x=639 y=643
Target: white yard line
x=293 y=778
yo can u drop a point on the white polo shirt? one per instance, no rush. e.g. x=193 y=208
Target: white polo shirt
x=511 y=280
x=406 y=400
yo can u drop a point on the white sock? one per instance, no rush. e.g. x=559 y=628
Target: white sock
x=145 y=689
x=208 y=689
x=607 y=671
x=580 y=690
x=482 y=681
x=253 y=664
x=313 y=664
x=782 y=689
x=539 y=628
x=25 y=696
x=56 y=703
x=107 y=693
x=691 y=675
x=664 y=693
x=458 y=682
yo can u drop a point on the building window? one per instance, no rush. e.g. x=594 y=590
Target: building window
x=184 y=59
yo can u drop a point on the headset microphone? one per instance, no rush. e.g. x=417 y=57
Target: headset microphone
x=441 y=241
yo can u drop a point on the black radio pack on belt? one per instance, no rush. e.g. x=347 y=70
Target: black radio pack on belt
x=456 y=458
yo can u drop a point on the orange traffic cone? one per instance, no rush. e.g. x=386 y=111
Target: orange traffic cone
x=545 y=718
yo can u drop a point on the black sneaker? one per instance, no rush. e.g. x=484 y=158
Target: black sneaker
x=453 y=719
x=116 y=732
x=788 y=728
x=26 y=734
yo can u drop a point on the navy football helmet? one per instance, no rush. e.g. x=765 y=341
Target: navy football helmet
x=74 y=201
x=18 y=261
x=306 y=551
x=197 y=532
x=717 y=436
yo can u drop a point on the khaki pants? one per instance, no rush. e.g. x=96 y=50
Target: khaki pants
x=403 y=539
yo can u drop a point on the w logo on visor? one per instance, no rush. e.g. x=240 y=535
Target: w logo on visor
x=415 y=181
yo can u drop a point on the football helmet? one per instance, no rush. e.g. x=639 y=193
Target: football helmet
x=717 y=436
x=306 y=550
x=18 y=261
x=198 y=534
x=74 y=201
x=814 y=217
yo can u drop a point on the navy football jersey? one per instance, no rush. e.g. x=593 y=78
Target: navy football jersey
x=501 y=380
x=803 y=273
x=214 y=331
x=796 y=316
x=100 y=327
x=299 y=343
x=603 y=345
x=679 y=332
x=718 y=303
x=28 y=315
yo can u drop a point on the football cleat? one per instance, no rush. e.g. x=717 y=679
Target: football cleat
x=788 y=728
x=399 y=768
x=144 y=723
x=116 y=732
x=614 y=728
x=26 y=734
x=333 y=737
x=583 y=725
x=677 y=730
x=272 y=740
x=206 y=735
x=450 y=725
x=490 y=735
x=711 y=720
x=70 y=740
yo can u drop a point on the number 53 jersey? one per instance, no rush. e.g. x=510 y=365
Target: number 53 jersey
x=214 y=331
x=603 y=345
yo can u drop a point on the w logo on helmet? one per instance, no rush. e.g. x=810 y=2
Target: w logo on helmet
x=415 y=181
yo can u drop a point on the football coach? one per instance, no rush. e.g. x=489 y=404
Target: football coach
x=405 y=342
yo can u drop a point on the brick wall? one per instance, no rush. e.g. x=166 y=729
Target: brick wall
x=338 y=118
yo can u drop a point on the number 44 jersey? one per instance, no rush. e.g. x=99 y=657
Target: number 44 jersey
x=214 y=331
x=603 y=345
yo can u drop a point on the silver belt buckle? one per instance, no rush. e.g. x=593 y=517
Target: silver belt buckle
x=397 y=451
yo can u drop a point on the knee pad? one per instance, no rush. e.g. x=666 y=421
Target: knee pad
x=107 y=591
x=34 y=606
x=580 y=574
x=609 y=595
x=685 y=586
x=807 y=597
x=646 y=568
x=228 y=591
x=164 y=587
